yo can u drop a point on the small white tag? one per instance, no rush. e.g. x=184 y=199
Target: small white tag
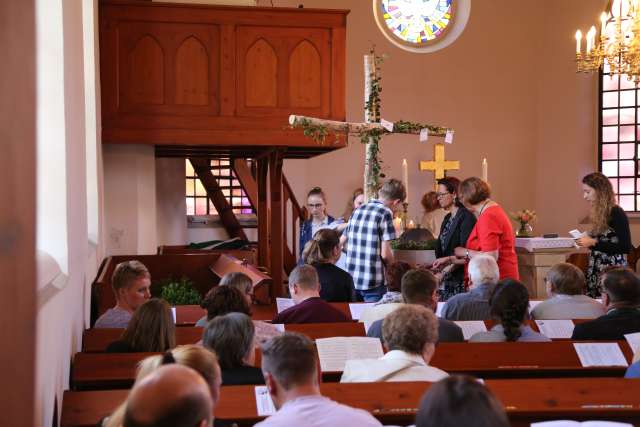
x=387 y=125
x=424 y=135
x=448 y=138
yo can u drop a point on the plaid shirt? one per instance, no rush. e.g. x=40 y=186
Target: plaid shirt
x=369 y=226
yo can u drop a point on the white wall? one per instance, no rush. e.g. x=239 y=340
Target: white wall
x=170 y=201
x=63 y=210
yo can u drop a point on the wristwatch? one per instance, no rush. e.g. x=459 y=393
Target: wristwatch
x=466 y=256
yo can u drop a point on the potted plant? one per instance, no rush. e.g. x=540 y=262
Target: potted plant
x=179 y=292
x=414 y=252
x=524 y=218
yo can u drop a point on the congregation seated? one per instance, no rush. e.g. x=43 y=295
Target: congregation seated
x=131 y=284
x=322 y=252
x=621 y=298
x=410 y=334
x=289 y=364
x=151 y=329
x=565 y=285
x=224 y=299
x=304 y=287
x=420 y=287
x=460 y=400
x=173 y=395
x=392 y=299
x=510 y=308
x=231 y=337
x=474 y=304
x=202 y=360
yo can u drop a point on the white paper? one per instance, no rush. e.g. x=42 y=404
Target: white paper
x=576 y=234
x=173 y=313
x=357 y=308
x=569 y=423
x=556 y=328
x=448 y=138
x=424 y=135
x=470 y=327
x=279 y=326
x=600 y=354
x=387 y=125
x=283 y=303
x=634 y=341
x=439 y=308
x=533 y=303
x=263 y=401
x=334 y=352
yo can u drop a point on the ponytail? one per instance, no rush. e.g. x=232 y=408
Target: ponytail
x=509 y=303
x=319 y=250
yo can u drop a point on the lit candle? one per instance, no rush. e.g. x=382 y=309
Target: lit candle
x=405 y=177
x=485 y=170
x=589 y=41
x=578 y=38
x=411 y=225
x=603 y=20
x=397 y=224
x=593 y=37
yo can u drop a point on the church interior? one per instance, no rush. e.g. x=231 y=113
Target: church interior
x=134 y=128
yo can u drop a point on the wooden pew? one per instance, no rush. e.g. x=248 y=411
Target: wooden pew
x=248 y=254
x=484 y=360
x=525 y=401
x=97 y=340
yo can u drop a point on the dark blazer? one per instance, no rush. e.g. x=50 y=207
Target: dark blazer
x=242 y=375
x=463 y=223
x=336 y=285
x=448 y=331
x=612 y=326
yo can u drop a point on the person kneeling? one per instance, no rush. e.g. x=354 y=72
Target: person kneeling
x=410 y=334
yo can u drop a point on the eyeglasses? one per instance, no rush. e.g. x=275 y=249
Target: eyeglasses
x=314 y=206
x=442 y=194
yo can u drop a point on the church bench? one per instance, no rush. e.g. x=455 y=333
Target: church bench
x=484 y=360
x=97 y=340
x=525 y=400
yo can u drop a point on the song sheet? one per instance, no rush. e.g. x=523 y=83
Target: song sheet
x=264 y=404
x=283 y=303
x=555 y=329
x=600 y=354
x=470 y=327
x=357 y=308
x=334 y=352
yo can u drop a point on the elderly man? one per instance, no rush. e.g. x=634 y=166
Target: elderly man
x=621 y=297
x=474 y=305
x=171 y=396
x=420 y=287
x=131 y=283
x=289 y=364
x=304 y=287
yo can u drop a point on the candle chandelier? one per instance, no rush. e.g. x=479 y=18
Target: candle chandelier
x=617 y=49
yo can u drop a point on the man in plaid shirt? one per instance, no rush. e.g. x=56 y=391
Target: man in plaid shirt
x=368 y=233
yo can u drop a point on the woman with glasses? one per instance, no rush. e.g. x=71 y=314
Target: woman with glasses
x=454 y=232
x=318 y=218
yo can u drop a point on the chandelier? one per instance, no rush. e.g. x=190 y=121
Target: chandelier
x=617 y=49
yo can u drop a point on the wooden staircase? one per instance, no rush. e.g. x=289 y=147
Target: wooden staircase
x=270 y=195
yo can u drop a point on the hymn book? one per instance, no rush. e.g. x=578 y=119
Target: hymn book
x=264 y=404
x=334 y=352
x=470 y=327
x=600 y=354
x=356 y=309
x=555 y=329
x=634 y=342
x=283 y=303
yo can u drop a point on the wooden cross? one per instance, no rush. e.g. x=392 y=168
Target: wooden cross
x=439 y=165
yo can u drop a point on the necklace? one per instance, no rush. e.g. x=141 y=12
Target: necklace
x=483 y=206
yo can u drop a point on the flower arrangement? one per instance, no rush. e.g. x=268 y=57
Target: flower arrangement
x=524 y=217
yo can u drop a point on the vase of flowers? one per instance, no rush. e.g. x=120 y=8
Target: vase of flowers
x=524 y=218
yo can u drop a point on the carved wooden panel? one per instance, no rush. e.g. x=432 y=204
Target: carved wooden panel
x=218 y=76
x=168 y=68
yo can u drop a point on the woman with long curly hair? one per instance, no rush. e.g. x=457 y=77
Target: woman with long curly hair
x=510 y=309
x=609 y=239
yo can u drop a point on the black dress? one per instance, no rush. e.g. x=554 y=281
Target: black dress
x=610 y=250
x=336 y=285
x=454 y=233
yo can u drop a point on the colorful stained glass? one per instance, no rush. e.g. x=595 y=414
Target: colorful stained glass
x=417 y=21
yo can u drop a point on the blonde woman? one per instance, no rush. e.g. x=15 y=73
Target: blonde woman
x=202 y=360
x=609 y=239
x=151 y=329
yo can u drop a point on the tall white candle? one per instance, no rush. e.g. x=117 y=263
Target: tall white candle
x=485 y=170
x=405 y=177
x=578 y=38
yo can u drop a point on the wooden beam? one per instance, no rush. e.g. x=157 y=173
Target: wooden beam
x=244 y=175
x=262 y=209
x=227 y=217
x=277 y=229
x=18 y=213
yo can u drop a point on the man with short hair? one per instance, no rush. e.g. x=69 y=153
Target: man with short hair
x=131 y=283
x=289 y=364
x=171 y=396
x=369 y=236
x=565 y=285
x=421 y=287
x=621 y=297
x=304 y=287
x=474 y=304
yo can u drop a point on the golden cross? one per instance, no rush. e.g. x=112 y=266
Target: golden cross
x=439 y=165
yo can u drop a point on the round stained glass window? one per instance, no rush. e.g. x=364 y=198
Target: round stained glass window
x=419 y=24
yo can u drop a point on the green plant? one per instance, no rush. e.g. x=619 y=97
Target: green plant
x=180 y=292
x=412 y=245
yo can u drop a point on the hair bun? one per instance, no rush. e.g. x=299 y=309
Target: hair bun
x=167 y=358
